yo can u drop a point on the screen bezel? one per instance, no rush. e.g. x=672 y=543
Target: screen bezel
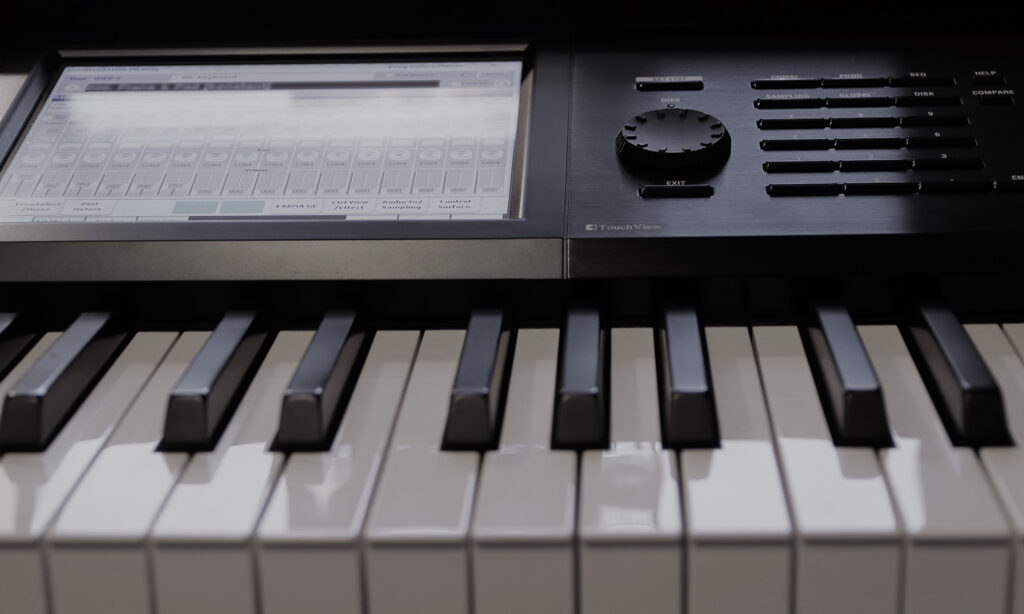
x=538 y=197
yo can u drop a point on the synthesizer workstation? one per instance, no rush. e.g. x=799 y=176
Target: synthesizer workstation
x=550 y=323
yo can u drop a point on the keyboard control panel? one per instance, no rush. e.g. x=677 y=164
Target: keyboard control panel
x=864 y=145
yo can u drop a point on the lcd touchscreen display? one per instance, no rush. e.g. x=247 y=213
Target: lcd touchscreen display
x=313 y=142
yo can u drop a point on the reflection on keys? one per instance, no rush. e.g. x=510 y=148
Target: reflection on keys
x=735 y=506
x=1002 y=349
x=309 y=536
x=98 y=553
x=384 y=519
x=956 y=532
x=202 y=552
x=417 y=554
x=630 y=521
x=847 y=533
x=525 y=516
x=34 y=486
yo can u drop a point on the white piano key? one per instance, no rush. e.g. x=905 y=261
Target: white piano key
x=308 y=538
x=202 y=554
x=630 y=520
x=21 y=570
x=525 y=513
x=1015 y=332
x=958 y=541
x=33 y=486
x=740 y=552
x=416 y=533
x=1005 y=465
x=847 y=534
x=98 y=545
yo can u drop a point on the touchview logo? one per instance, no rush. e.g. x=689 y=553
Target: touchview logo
x=605 y=227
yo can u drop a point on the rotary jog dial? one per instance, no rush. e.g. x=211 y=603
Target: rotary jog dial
x=673 y=139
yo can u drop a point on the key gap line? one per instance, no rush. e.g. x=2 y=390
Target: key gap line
x=796 y=538
x=362 y=546
x=47 y=550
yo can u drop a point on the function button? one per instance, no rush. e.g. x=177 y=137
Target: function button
x=933 y=119
x=796 y=144
x=955 y=186
x=855 y=82
x=864 y=166
x=669 y=83
x=870 y=143
x=927 y=99
x=784 y=84
x=880 y=187
x=864 y=122
x=789 y=103
x=801 y=166
x=1010 y=183
x=941 y=141
x=676 y=191
x=988 y=77
x=947 y=164
x=994 y=96
x=792 y=123
x=858 y=102
x=805 y=189
x=921 y=78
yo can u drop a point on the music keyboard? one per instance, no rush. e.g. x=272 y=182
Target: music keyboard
x=772 y=516
x=651 y=334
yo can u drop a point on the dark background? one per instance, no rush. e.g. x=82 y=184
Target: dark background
x=41 y=23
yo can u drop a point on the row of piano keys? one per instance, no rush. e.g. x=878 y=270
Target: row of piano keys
x=131 y=503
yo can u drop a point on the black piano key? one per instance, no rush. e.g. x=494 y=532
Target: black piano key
x=853 y=395
x=687 y=407
x=474 y=411
x=14 y=341
x=39 y=403
x=313 y=402
x=964 y=391
x=581 y=411
x=203 y=399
